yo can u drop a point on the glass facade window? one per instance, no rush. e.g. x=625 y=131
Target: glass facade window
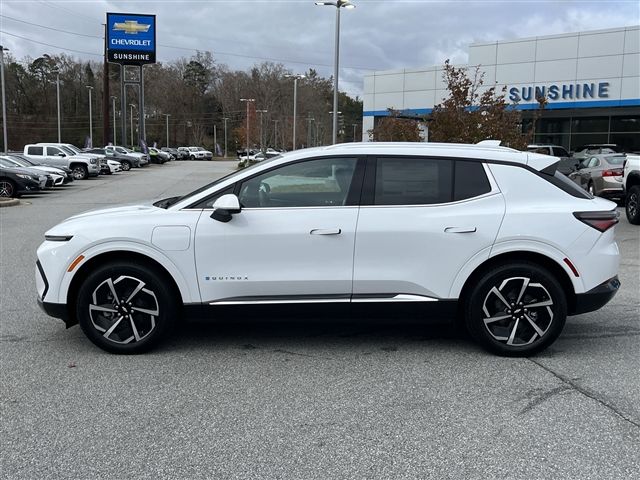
x=625 y=124
x=590 y=124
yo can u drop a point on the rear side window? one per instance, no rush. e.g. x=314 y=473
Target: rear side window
x=413 y=181
x=560 y=152
x=35 y=150
x=471 y=180
x=566 y=185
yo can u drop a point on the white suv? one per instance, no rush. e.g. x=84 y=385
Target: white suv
x=489 y=234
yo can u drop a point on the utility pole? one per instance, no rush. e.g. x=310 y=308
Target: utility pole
x=225 y=136
x=275 y=134
x=167 y=115
x=113 y=101
x=90 y=88
x=105 y=95
x=247 y=101
x=296 y=77
x=4 y=102
x=131 y=105
x=309 y=120
x=261 y=136
x=58 y=104
x=354 y=125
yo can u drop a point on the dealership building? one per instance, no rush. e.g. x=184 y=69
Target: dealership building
x=591 y=81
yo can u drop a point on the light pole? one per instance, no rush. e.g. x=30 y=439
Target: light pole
x=225 y=136
x=132 y=105
x=247 y=101
x=166 y=116
x=309 y=135
x=295 y=77
x=261 y=136
x=113 y=104
x=338 y=4
x=57 y=72
x=90 y=88
x=275 y=134
x=354 y=125
x=4 y=102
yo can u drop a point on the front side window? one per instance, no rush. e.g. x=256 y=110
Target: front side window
x=312 y=183
x=560 y=152
x=54 y=151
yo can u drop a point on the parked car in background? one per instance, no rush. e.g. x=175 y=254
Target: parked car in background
x=184 y=153
x=174 y=152
x=58 y=175
x=143 y=158
x=33 y=163
x=199 y=153
x=127 y=162
x=158 y=156
x=81 y=166
x=566 y=165
x=16 y=181
x=601 y=175
x=631 y=184
x=448 y=219
x=596 y=149
x=48 y=178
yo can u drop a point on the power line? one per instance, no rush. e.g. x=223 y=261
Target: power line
x=50 y=45
x=50 y=28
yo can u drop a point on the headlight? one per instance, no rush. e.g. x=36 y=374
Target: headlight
x=93 y=161
x=25 y=176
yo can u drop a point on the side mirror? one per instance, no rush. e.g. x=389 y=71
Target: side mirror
x=225 y=207
x=61 y=154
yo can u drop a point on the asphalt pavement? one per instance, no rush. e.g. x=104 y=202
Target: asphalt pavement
x=309 y=397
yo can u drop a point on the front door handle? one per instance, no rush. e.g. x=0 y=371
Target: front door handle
x=326 y=231
x=460 y=229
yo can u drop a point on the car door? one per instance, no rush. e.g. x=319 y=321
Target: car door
x=292 y=241
x=55 y=157
x=421 y=220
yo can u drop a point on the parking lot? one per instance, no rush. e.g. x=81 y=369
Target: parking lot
x=312 y=396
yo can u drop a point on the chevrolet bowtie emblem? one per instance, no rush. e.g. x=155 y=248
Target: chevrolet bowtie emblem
x=131 y=26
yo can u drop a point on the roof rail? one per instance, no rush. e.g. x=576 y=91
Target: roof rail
x=490 y=143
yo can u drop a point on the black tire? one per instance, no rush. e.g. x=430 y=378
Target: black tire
x=632 y=205
x=79 y=172
x=7 y=189
x=126 y=166
x=192 y=157
x=512 y=333
x=154 y=296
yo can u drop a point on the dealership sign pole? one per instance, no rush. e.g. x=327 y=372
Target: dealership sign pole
x=131 y=40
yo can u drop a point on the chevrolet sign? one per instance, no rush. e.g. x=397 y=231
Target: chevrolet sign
x=131 y=38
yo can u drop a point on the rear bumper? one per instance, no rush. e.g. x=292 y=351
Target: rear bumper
x=596 y=298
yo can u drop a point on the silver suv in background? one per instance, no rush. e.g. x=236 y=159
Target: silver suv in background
x=81 y=166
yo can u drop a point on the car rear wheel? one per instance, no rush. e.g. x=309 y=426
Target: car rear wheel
x=124 y=308
x=516 y=310
x=633 y=205
x=126 y=166
x=7 y=189
x=79 y=172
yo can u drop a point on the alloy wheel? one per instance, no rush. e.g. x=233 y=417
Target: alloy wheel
x=632 y=204
x=518 y=312
x=6 y=189
x=78 y=173
x=123 y=310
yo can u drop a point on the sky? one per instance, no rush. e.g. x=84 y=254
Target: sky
x=376 y=35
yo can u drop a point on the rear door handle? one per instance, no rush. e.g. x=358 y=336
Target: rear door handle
x=326 y=231
x=460 y=229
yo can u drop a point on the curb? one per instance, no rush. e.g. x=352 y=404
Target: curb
x=11 y=202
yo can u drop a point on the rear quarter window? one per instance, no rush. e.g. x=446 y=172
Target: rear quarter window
x=470 y=180
x=35 y=150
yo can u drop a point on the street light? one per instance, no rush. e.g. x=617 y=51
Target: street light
x=338 y=4
x=90 y=88
x=248 y=100
x=225 y=136
x=4 y=102
x=261 y=137
x=57 y=72
x=167 y=115
x=113 y=102
x=295 y=77
x=132 y=105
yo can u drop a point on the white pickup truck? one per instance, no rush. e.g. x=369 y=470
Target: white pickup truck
x=81 y=166
x=631 y=184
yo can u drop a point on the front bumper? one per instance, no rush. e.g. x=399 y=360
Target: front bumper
x=595 y=298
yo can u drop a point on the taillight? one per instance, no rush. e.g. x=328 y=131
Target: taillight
x=601 y=221
x=614 y=172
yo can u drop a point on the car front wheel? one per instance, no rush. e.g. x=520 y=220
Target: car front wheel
x=126 y=309
x=79 y=172
x=632 y=207
x=126 y=166
x=516 y=310
x=7 y=189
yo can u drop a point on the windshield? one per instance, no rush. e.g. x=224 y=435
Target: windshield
x=73 y=148
x=68 y=151
x=19 y=161
x=220 y=180
x=193 y=149
x=8 y=163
